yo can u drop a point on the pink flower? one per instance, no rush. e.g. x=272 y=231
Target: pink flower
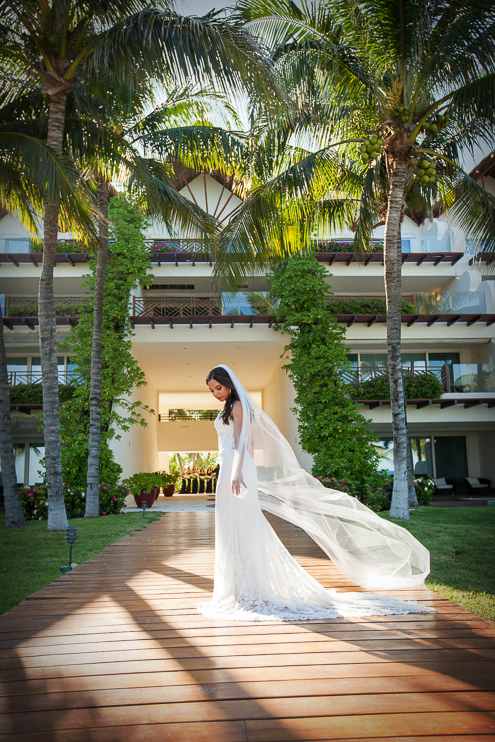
x=415 y=484
x=341 y=481
x=104 y=488
x=64 y=483
x=103 y=513
x=114 y=499
x=35 y=490
x=125 y=504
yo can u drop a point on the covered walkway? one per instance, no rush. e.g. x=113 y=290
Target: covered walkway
x=115 y=651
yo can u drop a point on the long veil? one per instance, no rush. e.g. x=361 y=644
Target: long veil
x=369 y=550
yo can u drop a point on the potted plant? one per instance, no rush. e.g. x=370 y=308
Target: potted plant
x=144 y=487
x=167 y=481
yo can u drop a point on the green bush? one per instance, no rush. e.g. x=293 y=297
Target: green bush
x=35 y=505
x=33 y=393
x=376 y=494
x=420 y=386
x=369 y=305
x=424 y=490
x=31 y=310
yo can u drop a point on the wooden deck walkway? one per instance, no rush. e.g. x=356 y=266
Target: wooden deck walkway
x=115 y=652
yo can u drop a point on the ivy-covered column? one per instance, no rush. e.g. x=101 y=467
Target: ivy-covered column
x=330 y=426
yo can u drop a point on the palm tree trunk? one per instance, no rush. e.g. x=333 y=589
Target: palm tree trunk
x=93 y=480
x=13 y=509
x=393 y=285
x=57 y=516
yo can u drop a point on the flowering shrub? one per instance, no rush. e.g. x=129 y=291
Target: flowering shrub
x=112 y=498
x=376 y=494
x=35 y=506
x=34 y=503
x=424 y=490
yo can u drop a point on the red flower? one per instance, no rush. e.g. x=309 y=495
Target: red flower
x=103 y=513
x=35 y=490
x=114 y=499
x=341 y=481
x=104 y=488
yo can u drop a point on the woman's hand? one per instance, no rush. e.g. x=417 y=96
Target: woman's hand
x=237 y=483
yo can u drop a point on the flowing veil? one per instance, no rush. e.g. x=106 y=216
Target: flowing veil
x=371 y=551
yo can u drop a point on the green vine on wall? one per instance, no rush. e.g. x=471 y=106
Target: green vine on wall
x=128 y=266
x=330 y=426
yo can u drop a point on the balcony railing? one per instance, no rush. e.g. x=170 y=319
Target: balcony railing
x=28 y=307
x=164 y=306
x=455 y=378
x=34 y=377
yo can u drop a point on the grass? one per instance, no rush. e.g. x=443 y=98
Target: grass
x=462 y=548
x=31 y=557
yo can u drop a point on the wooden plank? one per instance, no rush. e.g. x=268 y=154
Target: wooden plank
x=145 y=708
x=116 y=650
x=407 y=687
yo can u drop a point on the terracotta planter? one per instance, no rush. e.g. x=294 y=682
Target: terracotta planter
x=169 y=490
x=149 y=497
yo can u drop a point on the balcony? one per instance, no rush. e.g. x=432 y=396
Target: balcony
x=372 y=382
x=28 y=307
x=23 y=378
x=164 y=306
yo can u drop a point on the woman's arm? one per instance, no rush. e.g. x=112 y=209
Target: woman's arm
x=237 y=419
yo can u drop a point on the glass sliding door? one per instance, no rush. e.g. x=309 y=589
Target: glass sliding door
x=451 y=457
x=422 y=456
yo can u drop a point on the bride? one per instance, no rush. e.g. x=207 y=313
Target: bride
x=256 y=579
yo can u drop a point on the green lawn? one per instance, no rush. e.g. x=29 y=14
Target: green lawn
x=30 y=557
x=462 y=546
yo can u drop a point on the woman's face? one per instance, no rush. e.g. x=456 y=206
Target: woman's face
x=219 y=391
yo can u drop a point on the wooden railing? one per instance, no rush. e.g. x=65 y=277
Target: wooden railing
x=28 y=307
x=34 y=377
x=208 y=415
x=164 y=306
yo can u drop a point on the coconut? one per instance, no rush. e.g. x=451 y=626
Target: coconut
x=373 y=139
x=425 y=180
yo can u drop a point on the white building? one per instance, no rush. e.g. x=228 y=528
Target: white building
x=182 y=330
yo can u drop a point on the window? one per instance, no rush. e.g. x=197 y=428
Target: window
x=27 y=457
x=440 y=456
x=422 y=458
x=17 y=370
x=17 y=244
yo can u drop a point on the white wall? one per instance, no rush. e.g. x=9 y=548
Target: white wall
x=278 y=399
x=138 y=449
x=486 y=447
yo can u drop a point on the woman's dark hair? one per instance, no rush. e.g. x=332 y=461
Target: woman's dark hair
x=221 y=375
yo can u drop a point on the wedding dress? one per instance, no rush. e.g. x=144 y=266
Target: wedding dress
x=256 y=578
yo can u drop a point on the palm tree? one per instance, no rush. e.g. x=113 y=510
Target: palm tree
x=27 y=165
x=406 y=86
x=170 y=129
x=59 y=41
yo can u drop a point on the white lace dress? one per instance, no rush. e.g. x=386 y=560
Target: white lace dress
x=256 y=579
